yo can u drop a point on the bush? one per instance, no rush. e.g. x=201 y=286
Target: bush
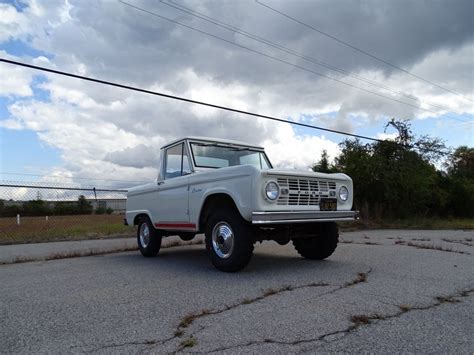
x=100 y=210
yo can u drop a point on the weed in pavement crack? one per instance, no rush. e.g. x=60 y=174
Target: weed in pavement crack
x=430 y=247
x=357 y=321
x=188 y=319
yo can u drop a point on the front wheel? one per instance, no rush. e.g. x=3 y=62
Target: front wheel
x=229 y=240
x=321 y=245
x=148 y=238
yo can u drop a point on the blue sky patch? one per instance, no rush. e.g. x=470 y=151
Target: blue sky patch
x=21 y=151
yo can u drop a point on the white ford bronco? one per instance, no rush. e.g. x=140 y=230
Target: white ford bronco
x=230 y=192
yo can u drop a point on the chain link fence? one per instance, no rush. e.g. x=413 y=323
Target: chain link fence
x=36 y=212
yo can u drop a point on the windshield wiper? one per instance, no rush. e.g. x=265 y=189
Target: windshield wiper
x=241 y=149
x=208 y=144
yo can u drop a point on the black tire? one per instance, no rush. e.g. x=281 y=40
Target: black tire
x=322 y=245
x=149 y=247
x=187 y=236
x=239 y=255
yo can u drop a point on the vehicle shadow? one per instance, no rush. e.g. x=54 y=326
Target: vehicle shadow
x=179 y=260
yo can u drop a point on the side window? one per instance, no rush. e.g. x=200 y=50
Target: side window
x=177 y=163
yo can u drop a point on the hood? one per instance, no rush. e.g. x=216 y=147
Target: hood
x=304 y=173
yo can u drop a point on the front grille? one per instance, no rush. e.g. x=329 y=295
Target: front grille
x=303 y=192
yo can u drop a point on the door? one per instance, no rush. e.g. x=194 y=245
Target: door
x=171 y=204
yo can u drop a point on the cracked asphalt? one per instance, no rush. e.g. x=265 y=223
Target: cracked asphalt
x=381 y=291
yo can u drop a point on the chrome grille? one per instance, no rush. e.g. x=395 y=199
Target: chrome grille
x=303 y=192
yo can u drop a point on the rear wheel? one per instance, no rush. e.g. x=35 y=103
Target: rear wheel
x=148 y=238
x=229 y=240
x=322 y=245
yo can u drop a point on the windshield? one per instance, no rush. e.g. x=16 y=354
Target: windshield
x=213 y=155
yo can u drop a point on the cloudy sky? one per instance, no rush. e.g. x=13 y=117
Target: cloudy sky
x=247 y=56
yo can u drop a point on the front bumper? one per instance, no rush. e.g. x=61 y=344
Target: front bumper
x=303 y=217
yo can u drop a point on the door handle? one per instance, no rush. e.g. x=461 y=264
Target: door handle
x=160 y=183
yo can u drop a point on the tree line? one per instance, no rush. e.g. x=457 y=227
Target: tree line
x=406 y=178
x=40 y=207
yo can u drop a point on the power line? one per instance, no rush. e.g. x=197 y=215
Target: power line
x=180 y=98
x=280 y=47
x=202 y=103
x=278 y=59
x=360 y=50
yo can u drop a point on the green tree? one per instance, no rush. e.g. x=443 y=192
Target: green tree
x=461 y=164
x=35 y=208
x=394 y=178
x=83 y=206
x=460 y=183
x=355 y=160
x=429 y=148
x=322 y=165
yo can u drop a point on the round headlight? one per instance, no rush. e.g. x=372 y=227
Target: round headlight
x=272 y=191
x=343 y=193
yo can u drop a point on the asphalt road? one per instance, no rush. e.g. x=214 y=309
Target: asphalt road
x=376 y=293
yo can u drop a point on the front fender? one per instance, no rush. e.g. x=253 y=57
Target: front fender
x=241 y=200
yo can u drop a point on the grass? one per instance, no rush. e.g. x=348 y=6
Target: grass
x=404 y=307
x=429 y=247
x=189 y=342
x=434 y=247
x=189 y=318
x=361 y=277
x=449 y=299
x=359 y=319
x=59 y=228
x=459 y=241
x=364 y=319
x=92 y=252
x=67 y=255
x=409 y=223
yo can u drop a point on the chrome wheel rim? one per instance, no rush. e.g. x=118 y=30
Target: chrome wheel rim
x=223 y=240
x=144 y=235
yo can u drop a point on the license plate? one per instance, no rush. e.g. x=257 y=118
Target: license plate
x=328 y=204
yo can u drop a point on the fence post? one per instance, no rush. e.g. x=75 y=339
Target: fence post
x=46 y=218
x=18 y=219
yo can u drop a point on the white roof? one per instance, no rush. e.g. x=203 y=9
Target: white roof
x=213 y=140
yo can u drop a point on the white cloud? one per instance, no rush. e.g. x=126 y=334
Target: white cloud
x=12 y=22
x=387 y=136
x=103 y=131
x=289 y=151
x=16 y=81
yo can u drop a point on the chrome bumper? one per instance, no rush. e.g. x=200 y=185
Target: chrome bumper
x=303 y=217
